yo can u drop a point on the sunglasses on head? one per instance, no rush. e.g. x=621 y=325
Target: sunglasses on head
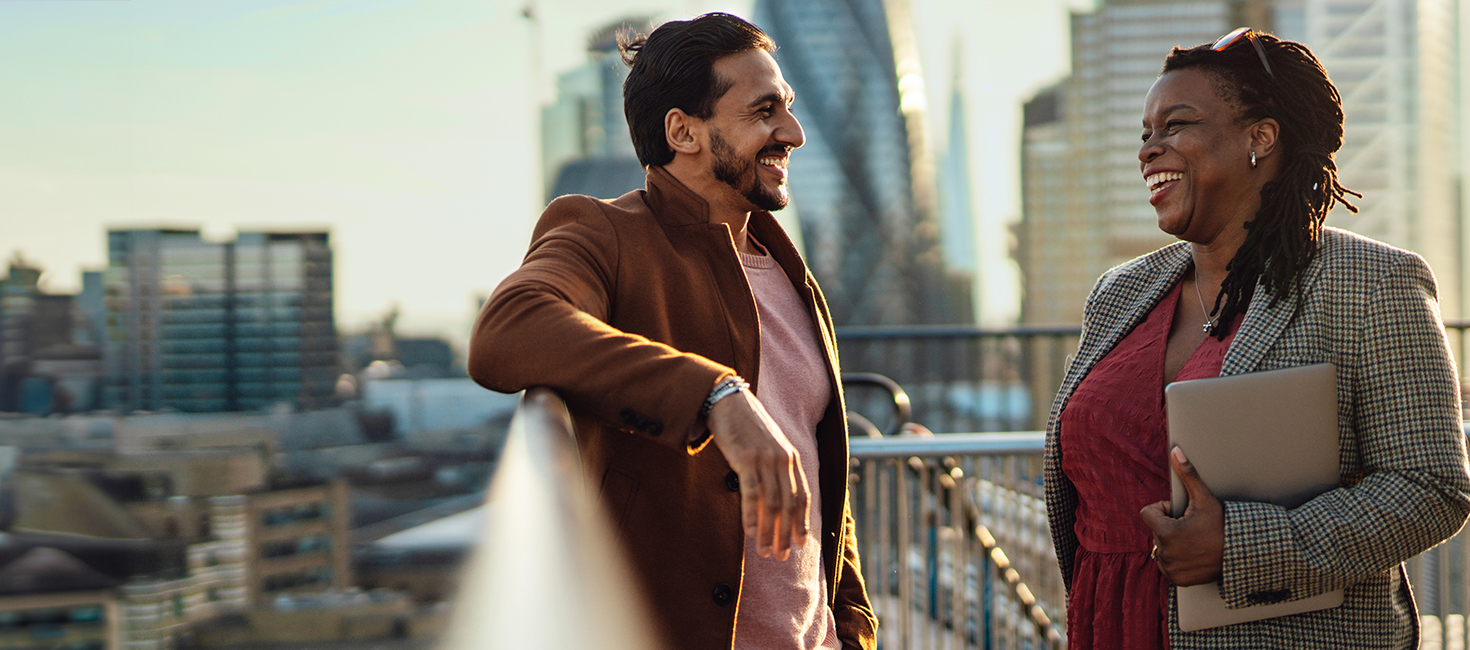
x=1244 y=33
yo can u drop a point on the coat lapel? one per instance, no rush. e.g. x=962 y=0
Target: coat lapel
x=1264 y=323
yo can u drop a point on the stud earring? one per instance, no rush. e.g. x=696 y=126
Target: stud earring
x=1253 y=160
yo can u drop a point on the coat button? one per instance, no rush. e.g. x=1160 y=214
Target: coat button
x=629 y=417
x=723 y=594
x=654 y=428
x=732 y=481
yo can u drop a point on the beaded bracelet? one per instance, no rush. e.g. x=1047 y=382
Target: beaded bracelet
x=727 y=387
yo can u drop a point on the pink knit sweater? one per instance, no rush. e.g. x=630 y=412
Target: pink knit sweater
x=782 y=604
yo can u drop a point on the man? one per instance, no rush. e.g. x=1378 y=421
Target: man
x=645 y=312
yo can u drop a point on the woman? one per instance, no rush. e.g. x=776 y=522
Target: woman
x=1238 y=144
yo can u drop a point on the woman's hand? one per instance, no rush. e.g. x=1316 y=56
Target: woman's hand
x=1189 y=550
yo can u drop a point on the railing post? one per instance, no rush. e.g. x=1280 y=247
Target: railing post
x=905 y=531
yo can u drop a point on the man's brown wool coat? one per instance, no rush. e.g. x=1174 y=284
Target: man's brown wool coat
x=631 y=309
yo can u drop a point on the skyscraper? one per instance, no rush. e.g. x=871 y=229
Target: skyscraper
x=1084 y=206
x=864 y=184
x=585 y=147
x=202 y=326
x=1050 y=236
x=956 y=211
x=1394 y=63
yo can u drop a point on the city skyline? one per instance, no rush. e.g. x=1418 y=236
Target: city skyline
x=407 y=132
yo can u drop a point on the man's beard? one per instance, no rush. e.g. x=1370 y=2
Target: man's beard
x=742 y=178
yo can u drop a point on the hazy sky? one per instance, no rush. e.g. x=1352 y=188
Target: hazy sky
x=408 y=129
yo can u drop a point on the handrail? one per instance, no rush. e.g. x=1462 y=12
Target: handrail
x=1009 y=443
x=548 y=572
x=951 y=331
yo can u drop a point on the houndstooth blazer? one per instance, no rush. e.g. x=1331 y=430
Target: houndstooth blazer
x=1372 y=310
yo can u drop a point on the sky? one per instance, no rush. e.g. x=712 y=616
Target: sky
x=406 y=129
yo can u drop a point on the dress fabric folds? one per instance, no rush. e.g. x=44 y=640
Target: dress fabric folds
x=1114 y=441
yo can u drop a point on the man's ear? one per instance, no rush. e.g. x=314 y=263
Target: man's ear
x=1264 y=136
x=680 y=130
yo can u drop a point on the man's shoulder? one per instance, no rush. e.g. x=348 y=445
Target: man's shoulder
x=598 y=213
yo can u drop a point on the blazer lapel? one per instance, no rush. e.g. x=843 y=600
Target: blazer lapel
x=1264 y=324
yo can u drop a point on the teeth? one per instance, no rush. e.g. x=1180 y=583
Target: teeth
x=1153 y=182
x=774 y=162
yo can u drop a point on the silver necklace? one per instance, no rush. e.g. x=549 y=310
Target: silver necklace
x=1209 y=324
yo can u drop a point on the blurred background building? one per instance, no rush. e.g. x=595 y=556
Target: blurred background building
x=956 y=202
x=1085 y=208
x=202 y=326
x=50 y=357
x=864 y=187
x=1395 y=62
x=585 y=147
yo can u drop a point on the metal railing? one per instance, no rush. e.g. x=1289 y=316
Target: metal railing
x=951 y=529
x=962 y=378
x=965 y=378
x=952 y=533
x=950 y=523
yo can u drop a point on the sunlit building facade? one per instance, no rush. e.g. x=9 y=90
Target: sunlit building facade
x=1395 y=64
x=1084 y=206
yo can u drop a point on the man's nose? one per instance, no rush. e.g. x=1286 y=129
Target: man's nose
x=790 y=132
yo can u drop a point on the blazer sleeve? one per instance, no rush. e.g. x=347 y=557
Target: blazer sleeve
x=1415 y=491
x=856 y=625
x=545 y=325
x=1061 y=494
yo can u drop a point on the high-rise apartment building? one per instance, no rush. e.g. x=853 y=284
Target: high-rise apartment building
x=202 y=326
x=864 y=185
x=1049 y=237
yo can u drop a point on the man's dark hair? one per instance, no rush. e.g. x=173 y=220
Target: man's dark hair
x=674 y=68
x=1283 y=236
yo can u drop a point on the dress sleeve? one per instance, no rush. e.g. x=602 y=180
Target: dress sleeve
x=545 y=325
x=1415 y=492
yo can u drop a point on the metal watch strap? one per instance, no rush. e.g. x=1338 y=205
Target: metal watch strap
x=727 y=387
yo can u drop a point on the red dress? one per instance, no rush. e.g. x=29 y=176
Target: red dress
x=1113 y=441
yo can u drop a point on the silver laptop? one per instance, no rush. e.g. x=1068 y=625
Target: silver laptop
x=1265 y=436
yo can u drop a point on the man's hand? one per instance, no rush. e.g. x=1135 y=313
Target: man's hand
x=1189 y=550
x=773 y=490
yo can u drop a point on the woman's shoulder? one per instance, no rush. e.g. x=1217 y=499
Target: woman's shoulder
x=1348 y=256
x=1143 y=269
x=1339 y=247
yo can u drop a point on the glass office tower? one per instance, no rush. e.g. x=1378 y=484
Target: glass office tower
x=864 y=184
x=200 y=326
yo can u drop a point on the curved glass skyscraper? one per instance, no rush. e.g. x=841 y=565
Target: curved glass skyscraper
x=863 y=185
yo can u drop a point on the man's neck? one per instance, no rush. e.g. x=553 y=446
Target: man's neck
x=715 y=195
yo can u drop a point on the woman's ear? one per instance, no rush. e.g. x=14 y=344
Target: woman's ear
x=679 y=131
x=1264 y=136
